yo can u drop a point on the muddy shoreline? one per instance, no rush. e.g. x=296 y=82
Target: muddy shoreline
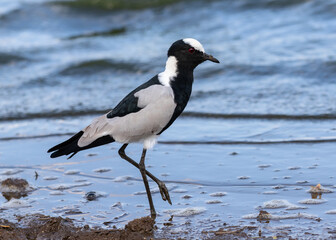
x=46 y=227
x=39 y=226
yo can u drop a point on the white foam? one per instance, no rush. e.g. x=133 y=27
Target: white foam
x=180 y=190
x=276 y=204
x=213 y=201
x=56 y=193
x=281 y=217
x=280 y=203
x=11 y=172
x=269 y=192
x=312 y=201
x=186 y=212
x=15 y=203
x=333 y=211
x=283 y=227
x=118 y=205
x=295 y=207
x=65 y=186
x=218 y=194
x=250 y=216
x=122 y=178
x=71 y=172
x=61 y=186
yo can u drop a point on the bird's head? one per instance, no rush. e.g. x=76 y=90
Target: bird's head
x=189 y=53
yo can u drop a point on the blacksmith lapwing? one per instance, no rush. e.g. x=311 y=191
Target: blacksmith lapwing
x=145 y=112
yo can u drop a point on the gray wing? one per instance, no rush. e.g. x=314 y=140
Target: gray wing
x=157 y=106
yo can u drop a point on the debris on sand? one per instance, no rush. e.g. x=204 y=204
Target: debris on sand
x=144 y=225
x=218 y=194
x=231 y=232
x=316 y=191
x=39 y=226
x=15 y=188
x=265 y=216
x=92 y=195
x=14 y=185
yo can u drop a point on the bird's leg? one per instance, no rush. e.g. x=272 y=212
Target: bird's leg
x=142 y=169
x=163 y=189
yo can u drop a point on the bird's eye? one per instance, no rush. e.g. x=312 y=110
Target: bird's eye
x=191 y=50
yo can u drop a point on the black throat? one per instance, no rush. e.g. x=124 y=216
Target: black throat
x=182 y=85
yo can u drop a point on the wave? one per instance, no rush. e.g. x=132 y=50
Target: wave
x=247 y=4
x=229 y=142
x=93 y=66
x=109 y=5
x=218 y=142
x=6 y=58
x=260 y=116
x=110 y=32
x=87 y=112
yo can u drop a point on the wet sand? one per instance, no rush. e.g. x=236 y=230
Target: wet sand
x=45 y=227
x=258 y=186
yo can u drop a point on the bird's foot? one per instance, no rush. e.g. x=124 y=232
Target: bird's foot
x=164 y=192
x=153 y=214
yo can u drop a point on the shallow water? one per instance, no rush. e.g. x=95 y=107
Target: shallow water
x=259 y=127
x=213 y=183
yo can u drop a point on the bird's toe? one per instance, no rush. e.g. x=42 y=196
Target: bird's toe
x=164 y=192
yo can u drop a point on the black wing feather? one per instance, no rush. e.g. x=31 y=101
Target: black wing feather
x=71 y=147
x=67 y=142
x=129 y=104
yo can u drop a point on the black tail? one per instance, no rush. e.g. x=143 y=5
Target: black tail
x=71 y=146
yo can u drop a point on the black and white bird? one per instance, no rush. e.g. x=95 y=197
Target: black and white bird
x=145 y=112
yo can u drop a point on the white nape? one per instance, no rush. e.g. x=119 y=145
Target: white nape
x=170 y=72
x=194 y=43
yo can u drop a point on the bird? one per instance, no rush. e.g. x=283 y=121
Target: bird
x=145 y=113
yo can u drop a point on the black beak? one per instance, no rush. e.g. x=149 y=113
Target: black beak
x=210 y=57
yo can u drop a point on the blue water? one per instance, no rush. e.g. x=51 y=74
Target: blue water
x=277 y=57
x=271 y=99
